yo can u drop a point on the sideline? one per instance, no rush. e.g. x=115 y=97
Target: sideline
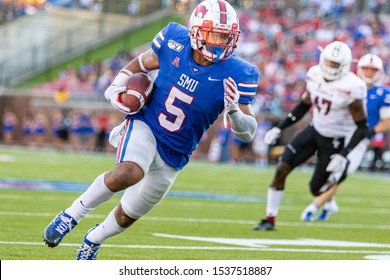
x=42 y=185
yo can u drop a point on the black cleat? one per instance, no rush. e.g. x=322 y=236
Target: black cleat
x=265 y=225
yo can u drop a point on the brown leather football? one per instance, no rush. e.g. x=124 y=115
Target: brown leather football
x=139 y=92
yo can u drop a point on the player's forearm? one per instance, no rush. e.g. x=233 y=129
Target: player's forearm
x=144 y=62
x=295 y=115
x=134 y=66
x=243 y=126
x=360 y=133
x=382 y=126
x=326 y=196
x=122 y=77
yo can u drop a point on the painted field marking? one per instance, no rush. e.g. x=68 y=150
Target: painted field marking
x=382 y=254
x=213 y=221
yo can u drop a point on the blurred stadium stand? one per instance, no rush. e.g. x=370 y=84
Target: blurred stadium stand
x=62 y=29
x=280 y=36
x=32 y=44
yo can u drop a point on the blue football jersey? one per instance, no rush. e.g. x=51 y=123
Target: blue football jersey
x=188 y=97
x=377 y=98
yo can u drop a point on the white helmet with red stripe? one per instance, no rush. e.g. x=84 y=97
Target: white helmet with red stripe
x=338 y=53
x=370 y=61
x=214 y=30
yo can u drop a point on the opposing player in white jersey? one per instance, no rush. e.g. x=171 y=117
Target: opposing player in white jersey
x=199 y=78
x=370 y=69
x=336 y=95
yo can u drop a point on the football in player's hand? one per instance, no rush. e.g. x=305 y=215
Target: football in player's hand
x=139 y=92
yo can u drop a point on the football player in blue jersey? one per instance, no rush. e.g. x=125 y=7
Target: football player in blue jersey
x=370 y=69
x=199 y=78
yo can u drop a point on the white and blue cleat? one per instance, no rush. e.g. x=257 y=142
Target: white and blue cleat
x=88 y=249
x=60 y=226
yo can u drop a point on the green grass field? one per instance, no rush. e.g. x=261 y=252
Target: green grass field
x=208 y=215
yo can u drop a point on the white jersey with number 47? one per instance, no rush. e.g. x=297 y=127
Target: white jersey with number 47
x=331 y=116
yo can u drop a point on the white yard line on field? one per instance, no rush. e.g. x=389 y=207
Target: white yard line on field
x=217 y=248
x=213 y=221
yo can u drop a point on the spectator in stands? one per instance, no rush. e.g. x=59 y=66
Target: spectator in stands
x=260 y=149
x=86 y=132
x=86 y=4
x=74 y=129
x=219 y=150
x=101 y=132
x=241 y=152
x=378 y=145
x=376 y=6
x=10 y=10
x=62 y=129
x=10 y=122
x=133 y=8
x=56 y=120
x=40 y=128
x=102 y=81
x=28 y=129
x=61 y=96
x=82 y=131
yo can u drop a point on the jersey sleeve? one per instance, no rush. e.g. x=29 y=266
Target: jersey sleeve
x=311 y=73
x=159 y=39
x=386 y=97
x=384 y=110
x=359 y=91
x=167 y=39
x=247 y=86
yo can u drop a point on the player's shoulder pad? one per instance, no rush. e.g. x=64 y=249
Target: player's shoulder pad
x=177 y=29
x=359 y=87
x=172 y=31
x=241 y=70
x=313 y=71
x=385 y=92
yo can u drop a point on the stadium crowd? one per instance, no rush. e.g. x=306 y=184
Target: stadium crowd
x=283 y=44
x=12 y=9
x=60 y=129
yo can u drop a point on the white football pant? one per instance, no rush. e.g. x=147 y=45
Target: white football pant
x=138 y=145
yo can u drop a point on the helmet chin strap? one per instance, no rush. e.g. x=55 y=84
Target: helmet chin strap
x=217 y=51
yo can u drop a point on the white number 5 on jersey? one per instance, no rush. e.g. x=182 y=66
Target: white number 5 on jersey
x=174 y=110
